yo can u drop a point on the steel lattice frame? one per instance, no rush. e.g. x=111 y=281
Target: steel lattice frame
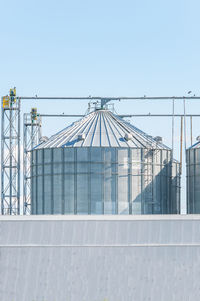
x=10 y=144
x=10 y=158
x=32 y=134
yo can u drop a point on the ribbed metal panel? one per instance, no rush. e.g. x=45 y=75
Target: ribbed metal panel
x=102 y=129
x=103 y=165
x=194 y=146
x=104 y=258
x=193 y=179
x=176 y=188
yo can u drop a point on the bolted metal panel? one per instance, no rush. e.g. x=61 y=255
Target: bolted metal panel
x=104 y=181
x=115 y=169
x=193 y=179
x=175 y=188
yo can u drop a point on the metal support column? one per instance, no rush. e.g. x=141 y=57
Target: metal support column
x=32 y=135
x=10 y=154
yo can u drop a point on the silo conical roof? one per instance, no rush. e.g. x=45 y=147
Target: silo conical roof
x=196 y=145
x=102 y=128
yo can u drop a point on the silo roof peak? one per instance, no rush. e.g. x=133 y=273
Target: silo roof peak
x=102 y=128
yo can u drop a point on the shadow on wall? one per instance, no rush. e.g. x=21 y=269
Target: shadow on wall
x=161 y=194
x=103 y=184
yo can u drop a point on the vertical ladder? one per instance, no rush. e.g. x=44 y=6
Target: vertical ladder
x=32 y=135
x=10 y=154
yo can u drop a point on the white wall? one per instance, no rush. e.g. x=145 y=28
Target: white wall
x=113 y=258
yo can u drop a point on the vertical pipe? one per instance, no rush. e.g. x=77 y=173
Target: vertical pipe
x=75 y=180
x=172 y=158
x=103 y=181
x=181 y=146
x=32 y=133
x=190 y=177
x=36 y=183
x=43 y=192
x=39 y=128
x=161 y=179
x=178 y=189
x=116 y=180
x=27 y=159
x=31 y=147
x=19 y=155
x=31 y=186
x=185 y=134
x=89 y=180
x=168 y=181
x=63 y=180
x=52 y=180
x=152 y=182
x=195 y=185
x=172 y=129
x=10 y=156
x=143 y=211
x=130 y=180
x=189 y=184
x=2 y=157
x=24 y=164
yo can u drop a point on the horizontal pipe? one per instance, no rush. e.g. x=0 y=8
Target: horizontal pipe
x=106 y=98
x=60 y=115
x=160 y=115
x=122 y=116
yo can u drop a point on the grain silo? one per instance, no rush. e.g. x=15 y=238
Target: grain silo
x=102 y=164
x=193 y=178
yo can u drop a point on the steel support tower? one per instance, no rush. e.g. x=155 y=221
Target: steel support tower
x=10 y=154
x=10 y=142
x=32 y=135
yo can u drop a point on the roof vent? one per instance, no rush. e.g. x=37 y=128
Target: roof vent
x=198 y=138
x=43 y=139
x=127 y=136
x=158 y=139
x=81 y=136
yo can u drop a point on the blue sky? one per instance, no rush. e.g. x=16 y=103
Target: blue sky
x=106 y=48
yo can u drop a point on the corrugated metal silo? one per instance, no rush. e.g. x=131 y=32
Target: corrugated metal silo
x=104 y=165
x=193 y=178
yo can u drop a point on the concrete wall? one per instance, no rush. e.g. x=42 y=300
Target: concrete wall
x=89 y=258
